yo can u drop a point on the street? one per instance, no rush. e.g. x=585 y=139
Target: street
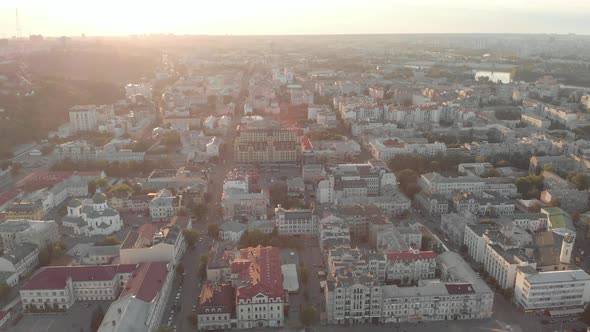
x=187 y=285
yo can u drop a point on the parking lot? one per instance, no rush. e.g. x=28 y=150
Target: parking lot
x=76 y=319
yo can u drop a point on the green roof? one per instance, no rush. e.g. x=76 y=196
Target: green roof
x=99 y=198
x=559 y=218
x=74 y=202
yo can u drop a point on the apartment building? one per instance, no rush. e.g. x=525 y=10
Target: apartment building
x=142 y=301
x=38 y=232
x=216 y=308
x=432 y=203
x=59 y=287
x=266 y=145
x=164 y=205
x=407 y=268
x=25 y=210
x=296 y=221
x=437 y=183
x=561 y=292
x=460 y=294
x=156 y=244
x=21 y=259
x=260 y=298
x=414 y=114
x=353 y=300
x=535 y=120
x=83 y=118
x=388 y=148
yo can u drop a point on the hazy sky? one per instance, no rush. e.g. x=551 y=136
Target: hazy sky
x=122 y=17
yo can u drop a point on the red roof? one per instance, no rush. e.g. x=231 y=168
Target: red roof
x=38 y=180
x=391 y=143
x=410 y=256
x=459 y=289
x=306 y=143
x=8 y=195
x=56 y=277
x=264 y=272
x=146 y=282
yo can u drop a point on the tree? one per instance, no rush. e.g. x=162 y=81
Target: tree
x=121 y=188
x=582 y=181
x=203 y=261
x=200 y=210
x=97 y=183
x=107 y=241
x=16 y=167
x=53 y=250
x=213 y=230
x=190 y=236
x=303 y=274
x=586 y=315
x=4 y=290
x=180 y=268
x=491 y=173
x=463 y=249
x=309 y=315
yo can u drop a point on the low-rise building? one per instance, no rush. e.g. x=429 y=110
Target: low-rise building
x=140 y=305
x=216 y=308
x=295 y=221
x=16 y=232
x=232 y=231
x=432 y=203
x=59 y=287
x=21 y=259
x=164 y=205
x=388 y=148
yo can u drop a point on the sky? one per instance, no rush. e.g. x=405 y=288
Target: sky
x=288 y=17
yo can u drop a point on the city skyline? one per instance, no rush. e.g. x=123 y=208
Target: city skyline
x=305 y=17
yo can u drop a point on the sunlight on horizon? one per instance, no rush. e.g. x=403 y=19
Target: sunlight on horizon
x=110 y=17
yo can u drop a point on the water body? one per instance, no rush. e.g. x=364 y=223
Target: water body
x=495 y=76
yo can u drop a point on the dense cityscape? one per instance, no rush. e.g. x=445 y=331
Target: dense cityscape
x=406 y=182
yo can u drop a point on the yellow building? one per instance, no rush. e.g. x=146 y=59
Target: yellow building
x=267 y=146
x=25 y=210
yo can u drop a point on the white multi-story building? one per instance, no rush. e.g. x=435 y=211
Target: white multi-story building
x=92 y=217
x=566 y=291
x=535 y=120
x=83 y=118
x=387 y=148
x=437 y=183
x=260 y=296
x=59 y=287
x=295 y=221
x=138 y=89
x=38 y=232
x=414 y=114
x=410 y=267
x=232 y=231
x=353 y=299
x=21 y=259
x=215 y=309
x=166 y=244
x=141 y=304
x=164 y=205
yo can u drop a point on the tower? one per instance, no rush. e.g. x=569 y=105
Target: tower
x=567 y=246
